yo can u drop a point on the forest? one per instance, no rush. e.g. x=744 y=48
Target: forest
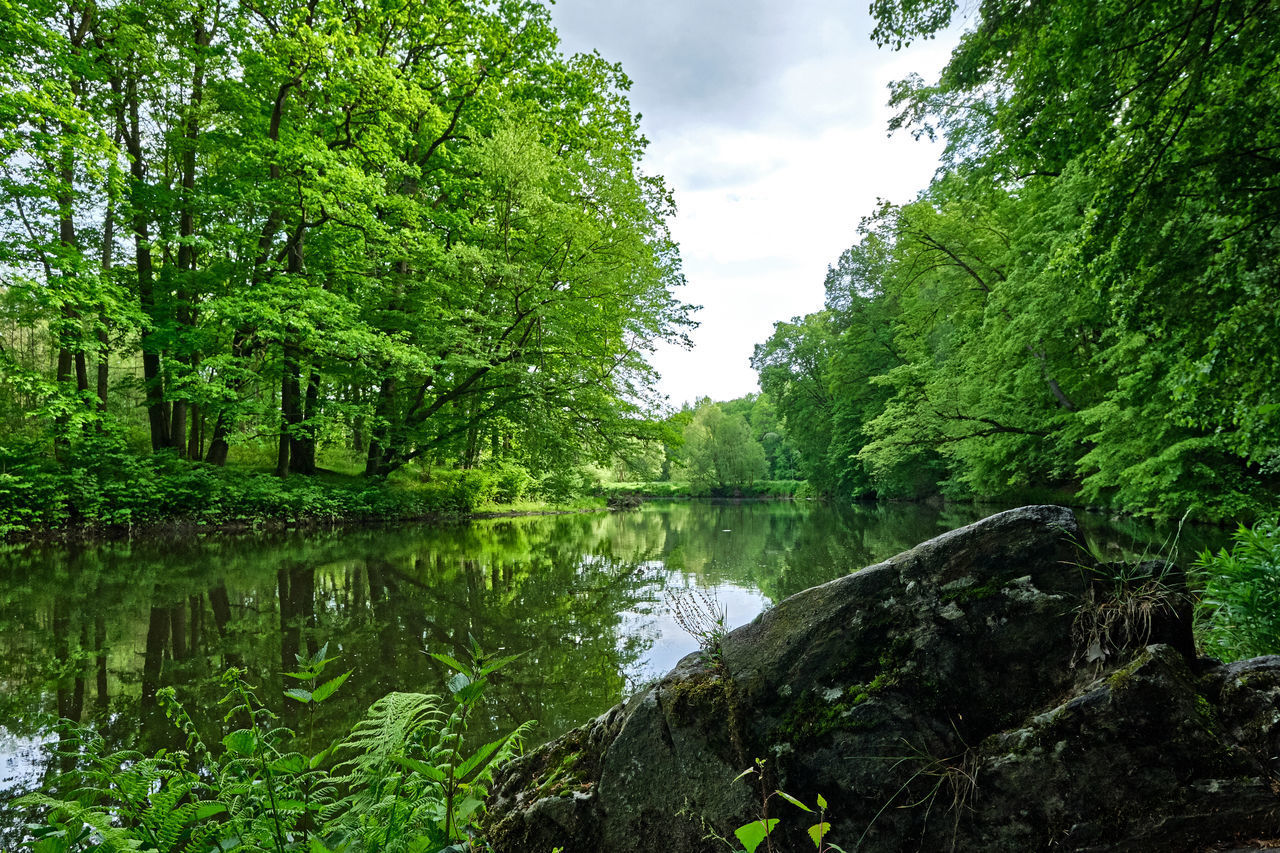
x=308 y=237
x=1082 y=302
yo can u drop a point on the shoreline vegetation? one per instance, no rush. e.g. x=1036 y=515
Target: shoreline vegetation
x=199 y=500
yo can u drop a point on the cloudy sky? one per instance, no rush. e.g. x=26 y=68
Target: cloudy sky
x=768 y=119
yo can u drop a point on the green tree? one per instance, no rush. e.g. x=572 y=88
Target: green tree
x=720 y=451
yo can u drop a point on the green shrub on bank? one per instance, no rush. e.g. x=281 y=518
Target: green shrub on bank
x=106 y=484
x=1240 y=608
x=678 y=489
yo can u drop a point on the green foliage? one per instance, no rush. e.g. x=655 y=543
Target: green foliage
x=106 y=484
x=680 y=489
x=1239 y=612
x=512 y=483
x=720 y=451
x=1030 y=320
x=761 y=831
x=376 y=233
x=402 y=780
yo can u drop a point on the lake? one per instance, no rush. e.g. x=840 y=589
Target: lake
x=93 y=631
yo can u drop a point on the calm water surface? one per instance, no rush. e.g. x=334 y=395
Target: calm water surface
x=92 y=632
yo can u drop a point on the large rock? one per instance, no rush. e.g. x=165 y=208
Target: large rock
x=990 y=689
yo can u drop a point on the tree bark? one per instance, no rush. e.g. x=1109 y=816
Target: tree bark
x=290 y=408
x=374 y=462
x=302 y=441
x=153 y=380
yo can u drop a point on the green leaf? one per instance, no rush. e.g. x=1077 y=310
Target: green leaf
x=458 y=682
x=291 y=763
x=431 y=772
x=817 y=832
x=452 y=663
x=755 y=832
x=205 y=810
x=320 y=757
x=481 y=758
x=822 y=802
x=324 y=691
x=792 y=800
x=466 y=809
x=500 y=663
x=471 y=692
x=303 y=696
x=241 y=742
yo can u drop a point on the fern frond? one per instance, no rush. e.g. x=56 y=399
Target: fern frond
x=391 y=723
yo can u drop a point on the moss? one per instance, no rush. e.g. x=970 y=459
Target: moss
x=709 y=699
x=697 y=691
x=563 y=778
x=818 y=712
x=1122 y=677
x=567 y=766
x=1207 y=718
x=813 y=717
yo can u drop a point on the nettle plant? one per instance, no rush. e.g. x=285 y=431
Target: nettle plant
x=759 y=832
x=401 y=779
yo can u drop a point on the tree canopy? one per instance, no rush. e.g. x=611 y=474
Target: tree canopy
x=1084 y=297
x=413 y=232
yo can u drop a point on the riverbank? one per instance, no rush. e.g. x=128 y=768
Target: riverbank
x=676 y=490
x=121 y=497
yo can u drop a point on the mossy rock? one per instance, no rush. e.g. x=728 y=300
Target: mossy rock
x=940 y=696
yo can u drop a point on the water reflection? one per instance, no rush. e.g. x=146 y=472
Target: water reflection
x=91 y=633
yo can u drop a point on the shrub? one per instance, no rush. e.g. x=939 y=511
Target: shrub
x=401 y=780
x=1239 y=613
x=511 y=482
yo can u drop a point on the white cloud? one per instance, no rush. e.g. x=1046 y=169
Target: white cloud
x=769 y=122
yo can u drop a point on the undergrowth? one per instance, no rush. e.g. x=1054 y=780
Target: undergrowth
x=1239 y=611
x=400 y=780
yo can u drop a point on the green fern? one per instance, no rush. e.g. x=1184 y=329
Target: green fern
x=404 y=781
x=392 y=723
x=124 y=801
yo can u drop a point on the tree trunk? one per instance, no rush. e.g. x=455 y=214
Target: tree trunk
x=178 y=427
x=290 y=408
x=218 y=446
x=62 y=424
x=194 y=443
x=302 y=441
x=374 y=463
x=153 y=380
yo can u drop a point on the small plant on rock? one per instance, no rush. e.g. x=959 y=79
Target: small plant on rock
x=700 y=615
x=1121 y=606
x=760 y=831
